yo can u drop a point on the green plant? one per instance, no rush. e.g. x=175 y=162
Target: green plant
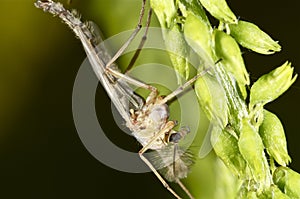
x=247 y=138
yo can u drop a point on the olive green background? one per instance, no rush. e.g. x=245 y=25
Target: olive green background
x=41 y=155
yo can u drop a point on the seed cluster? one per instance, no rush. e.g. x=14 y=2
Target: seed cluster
x=249 y=139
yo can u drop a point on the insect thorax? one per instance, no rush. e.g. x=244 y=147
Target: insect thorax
x=147 y=122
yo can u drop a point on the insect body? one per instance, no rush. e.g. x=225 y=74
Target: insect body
x=147 y=119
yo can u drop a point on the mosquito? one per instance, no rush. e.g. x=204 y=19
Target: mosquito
x=147 y=119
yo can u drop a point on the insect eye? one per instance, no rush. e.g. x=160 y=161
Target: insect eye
x=175 y=137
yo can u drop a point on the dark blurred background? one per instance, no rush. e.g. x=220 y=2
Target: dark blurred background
x=41 y=155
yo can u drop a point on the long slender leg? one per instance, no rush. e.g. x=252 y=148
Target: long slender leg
x=184 y=86
x=184 y=189
x=130 y=80
x=144 y=38
x=165 y=184
x=132 y=36
x=167 y=128
x=153 y=90
x=142 y=43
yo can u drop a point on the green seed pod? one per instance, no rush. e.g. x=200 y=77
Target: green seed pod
x=288 y=181
x=270 y=86
x=245 y=194
x=165 y=12
x=228 y=51
x=212 y=99
x=253 y=38
x=174 y=40
x=176 y=45
x=226 y=147
x=252 y=149
x=247 y=190
x=251 y=195
x=242 y=192
x=274 y=193
x=272 y=133
x=193 y=6
x=220 y=10
x=198 y=35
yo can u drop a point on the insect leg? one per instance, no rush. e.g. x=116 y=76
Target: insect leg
x=130 y=80
x=174 y=170
x=132 y=36
x=165 y=184
x=184 y=86
x=184 y=189
x=142 y=43
x=167 y=128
